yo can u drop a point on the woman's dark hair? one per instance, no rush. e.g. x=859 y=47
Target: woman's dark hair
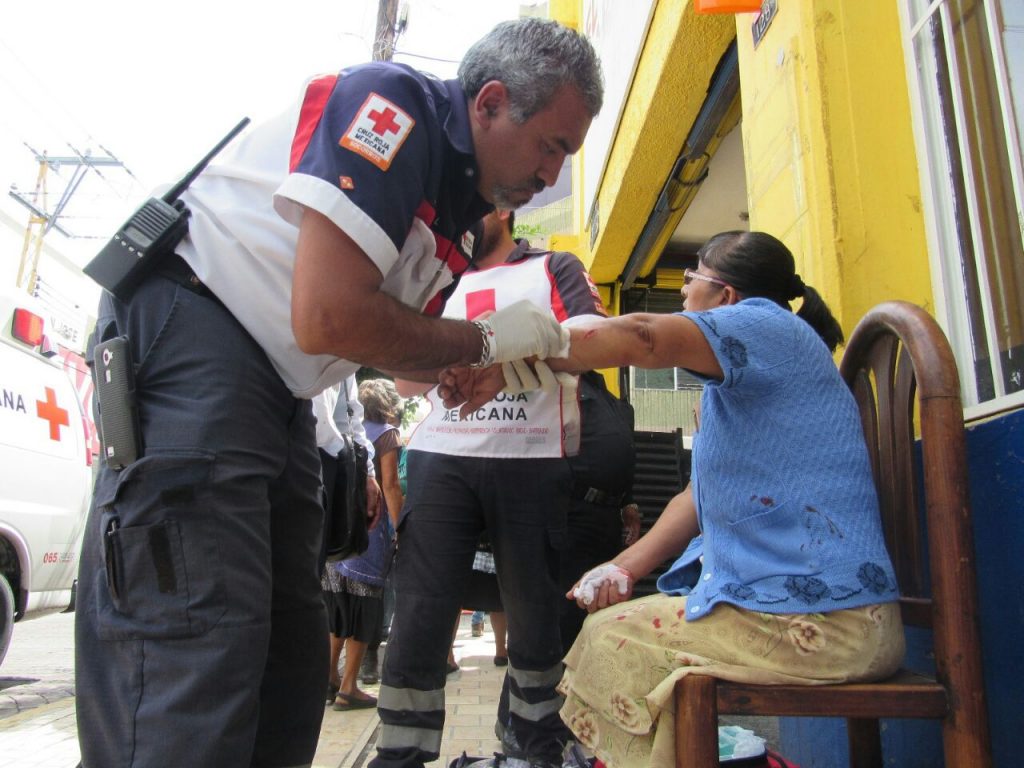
x=758 y=265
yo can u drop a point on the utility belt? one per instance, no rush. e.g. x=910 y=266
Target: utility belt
x=175 y=268
x=590 y=495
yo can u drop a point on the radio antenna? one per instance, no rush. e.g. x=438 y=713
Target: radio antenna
x=174 y=192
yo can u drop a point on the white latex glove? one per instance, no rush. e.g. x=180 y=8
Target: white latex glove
x=520 y=377
x=595 y=578
x=524 y=330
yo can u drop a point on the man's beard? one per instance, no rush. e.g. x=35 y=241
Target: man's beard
x=511 y=198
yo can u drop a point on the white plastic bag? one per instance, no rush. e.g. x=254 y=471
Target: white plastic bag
x=735 y=743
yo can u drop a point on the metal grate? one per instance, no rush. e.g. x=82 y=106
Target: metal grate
x=662 y=471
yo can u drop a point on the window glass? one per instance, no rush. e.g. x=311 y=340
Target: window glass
x=969 y=86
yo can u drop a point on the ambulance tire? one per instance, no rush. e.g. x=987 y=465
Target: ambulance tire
x=6 y=616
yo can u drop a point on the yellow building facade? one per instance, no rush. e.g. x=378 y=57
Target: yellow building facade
x=881 y=141
x=827 y=143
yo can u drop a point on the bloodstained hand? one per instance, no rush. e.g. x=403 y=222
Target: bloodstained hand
x=469 y=387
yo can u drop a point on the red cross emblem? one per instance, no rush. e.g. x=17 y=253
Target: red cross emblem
x=480 y=302
x=378 y=131
x=53 y=413
x=384 y=122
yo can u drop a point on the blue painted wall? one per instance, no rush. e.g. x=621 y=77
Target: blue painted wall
x=995 y=451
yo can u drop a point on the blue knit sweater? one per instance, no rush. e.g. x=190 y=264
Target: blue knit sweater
x=781 y=477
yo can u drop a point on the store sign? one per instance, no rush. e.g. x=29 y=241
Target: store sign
x=67 y=328
x=763 y=20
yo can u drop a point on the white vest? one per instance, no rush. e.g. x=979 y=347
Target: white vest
x=531 y=425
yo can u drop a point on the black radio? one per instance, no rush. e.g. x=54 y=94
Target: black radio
x=150 y=233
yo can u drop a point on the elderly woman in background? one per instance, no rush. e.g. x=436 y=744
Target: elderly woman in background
x=360 y=597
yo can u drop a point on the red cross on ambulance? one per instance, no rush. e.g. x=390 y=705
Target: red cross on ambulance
x=49 y=410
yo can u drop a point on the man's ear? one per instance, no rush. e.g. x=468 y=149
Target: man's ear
x=489 y=102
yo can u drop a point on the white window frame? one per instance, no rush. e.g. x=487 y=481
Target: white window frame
x=944 y=252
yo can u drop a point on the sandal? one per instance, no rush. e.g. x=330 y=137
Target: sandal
x=332 y=691
x=345 y=702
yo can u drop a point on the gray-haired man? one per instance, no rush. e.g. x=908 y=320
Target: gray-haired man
x=318 y=242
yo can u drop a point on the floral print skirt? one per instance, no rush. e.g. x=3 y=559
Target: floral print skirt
x=621 y=672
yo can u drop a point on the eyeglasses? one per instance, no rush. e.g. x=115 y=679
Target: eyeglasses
x=689 y=275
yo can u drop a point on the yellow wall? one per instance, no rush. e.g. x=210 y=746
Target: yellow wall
x=566 y=12
x=828 y=146
x=829 y=151
x=668 y=89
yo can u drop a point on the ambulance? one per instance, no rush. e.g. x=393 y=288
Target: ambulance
x=45 y=464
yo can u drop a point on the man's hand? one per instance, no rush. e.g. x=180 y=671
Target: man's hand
x=472 y=387
x=469 y=387
x=602 y=586
x=523 y=330
x=373 y=505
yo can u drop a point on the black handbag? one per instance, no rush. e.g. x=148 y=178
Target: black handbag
x=348 y=534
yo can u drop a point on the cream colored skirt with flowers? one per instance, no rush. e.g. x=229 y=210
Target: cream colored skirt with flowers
x=621 y=672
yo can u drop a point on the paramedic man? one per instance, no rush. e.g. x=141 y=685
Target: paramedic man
x=318 y=242
x=503 y=471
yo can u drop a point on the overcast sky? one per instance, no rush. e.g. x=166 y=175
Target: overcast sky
x=157 y=84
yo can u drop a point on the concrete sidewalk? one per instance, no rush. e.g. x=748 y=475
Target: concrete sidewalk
x=38 y=727
x=41 y=737
x=348 y=739
x=39 y=732
x=37 y=688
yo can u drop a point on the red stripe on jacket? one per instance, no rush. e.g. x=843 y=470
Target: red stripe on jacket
x=444 y=251
x=318 y=92
x=557 y=305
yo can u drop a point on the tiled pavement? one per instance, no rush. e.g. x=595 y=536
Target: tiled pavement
x=38 y=729
x=37 y=705
x=347 y=739
x=37 y=718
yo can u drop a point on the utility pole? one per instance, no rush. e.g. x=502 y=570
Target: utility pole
x=387 y=30
x=41 y=220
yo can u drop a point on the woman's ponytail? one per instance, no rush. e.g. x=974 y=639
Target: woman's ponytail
x=815 y=313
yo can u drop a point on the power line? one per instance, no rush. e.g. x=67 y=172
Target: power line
x=429 y=58
x=41 y=86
